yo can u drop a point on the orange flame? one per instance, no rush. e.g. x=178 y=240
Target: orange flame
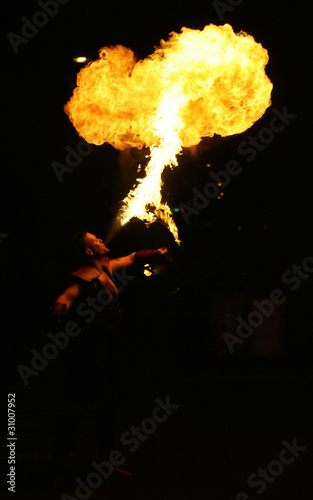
x=196 y=84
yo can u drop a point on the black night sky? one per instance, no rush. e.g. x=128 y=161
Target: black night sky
x=240 y=247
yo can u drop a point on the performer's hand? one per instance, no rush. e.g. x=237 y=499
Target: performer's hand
x=164 y=251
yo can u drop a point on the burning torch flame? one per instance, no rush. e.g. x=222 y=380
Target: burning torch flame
x=196 y=84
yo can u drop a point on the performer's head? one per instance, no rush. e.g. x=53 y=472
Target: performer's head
x=89 y=247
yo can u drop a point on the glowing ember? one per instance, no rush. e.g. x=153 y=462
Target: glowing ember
x=196 y=84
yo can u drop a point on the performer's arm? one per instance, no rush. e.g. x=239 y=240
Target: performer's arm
x=143 y=256
x=122 y=262
x=65 y=300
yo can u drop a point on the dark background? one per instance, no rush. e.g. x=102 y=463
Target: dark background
x=235 y=251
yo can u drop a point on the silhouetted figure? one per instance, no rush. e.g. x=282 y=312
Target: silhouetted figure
x=91 y=372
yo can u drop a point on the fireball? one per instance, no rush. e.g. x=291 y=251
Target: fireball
x=196 y=84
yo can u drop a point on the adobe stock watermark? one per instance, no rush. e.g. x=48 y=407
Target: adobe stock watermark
x=266 y=135
x=292 y=277
x=210 y=191
x=40 y=19
x=222 y=7
x=132 y=438
x=263 y=477
x=249 y=149
x=72 y=159
x=88 y=310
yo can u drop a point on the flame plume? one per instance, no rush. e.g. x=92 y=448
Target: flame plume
x=196 y=84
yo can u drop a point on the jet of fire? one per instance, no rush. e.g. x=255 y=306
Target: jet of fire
x=196 y=84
